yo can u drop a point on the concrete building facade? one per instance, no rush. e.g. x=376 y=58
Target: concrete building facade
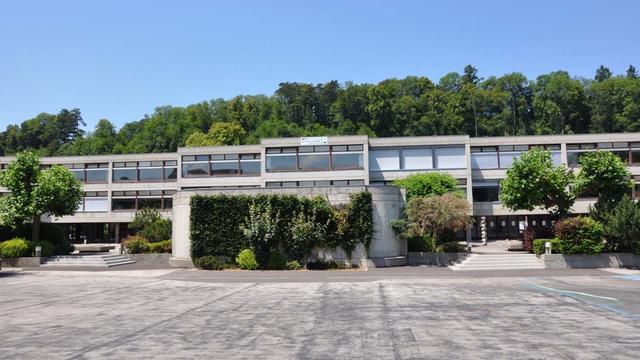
x=116 y=186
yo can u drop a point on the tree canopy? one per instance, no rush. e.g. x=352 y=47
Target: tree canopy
x=34 y=192
x=458 y=104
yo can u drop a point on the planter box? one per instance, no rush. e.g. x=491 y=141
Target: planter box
x=435 y=259
x=150 y=259
x=583 y=261
x=21 y=262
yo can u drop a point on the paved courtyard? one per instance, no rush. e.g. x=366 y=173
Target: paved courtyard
x=319 y=315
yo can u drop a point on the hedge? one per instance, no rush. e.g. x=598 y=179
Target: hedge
x=216 y=222
x=538 y=246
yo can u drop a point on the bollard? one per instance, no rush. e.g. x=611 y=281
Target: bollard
x=547 y=248
x=38 y=251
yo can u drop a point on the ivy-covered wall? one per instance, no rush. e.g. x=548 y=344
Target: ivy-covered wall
x=217 y=221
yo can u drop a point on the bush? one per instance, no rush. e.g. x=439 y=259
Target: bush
x=15 y=248
x=46 y=248
x=210 y=262
x=52 y=233
x=136 y=245
x=538 y=246
x=149 y=223
x=580 y=235
x=322 y=265
x=535 y=232
x=428 y=184
x=246 y=260
x=622 y=226
x=306 y=233
x=425 y=243
x=451 y=247
x=293 y=265
x=277 y=261
x=160 y=247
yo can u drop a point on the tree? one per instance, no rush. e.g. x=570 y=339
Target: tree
x=603 y=73
x=433 y=215
x=632 y=73
x=470 y=75
x=220 y=133
x=428 y=184
x=35 y=192
x=622 y=226
x=198 y=138
x=534 y=181
x=603 y=174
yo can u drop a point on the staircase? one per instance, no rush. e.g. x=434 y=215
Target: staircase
x=106 y=260
x=505 y=261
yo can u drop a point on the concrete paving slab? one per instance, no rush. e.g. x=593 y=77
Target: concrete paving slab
x=166 y=314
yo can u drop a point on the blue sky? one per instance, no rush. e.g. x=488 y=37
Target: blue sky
x=120 y=59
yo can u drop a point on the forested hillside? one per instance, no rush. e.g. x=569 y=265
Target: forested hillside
x=553 y=103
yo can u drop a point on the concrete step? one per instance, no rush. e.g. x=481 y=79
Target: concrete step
x=107 y=260
x=499 y=262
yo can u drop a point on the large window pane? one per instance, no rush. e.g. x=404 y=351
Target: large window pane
x=450 y=158
x=573 y=158
x=196 y=169
x=507 y=158
x=279 y=163
x=78 y=174
x=167 y=203
x=125 y=175
x=97 y=176
x=384 y=160
x=96 y=204
x=170 y=173
x=556 y=157
x=635 y=156
x=486 y=192
x=151 y=174
x=250 y=167
x=417 y=159
x=484 y=160
x=153 y=203
x=347 y=161
x=123 y=204
x=225 y=168
x=314 y=162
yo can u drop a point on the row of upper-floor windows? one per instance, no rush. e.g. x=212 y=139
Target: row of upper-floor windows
x=315 y=158
x=221 y=165
x=627 y=152
x=98 y=201
x=502 y=157
x=417 y=158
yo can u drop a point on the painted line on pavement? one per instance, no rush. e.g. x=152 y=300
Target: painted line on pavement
x=574 y=292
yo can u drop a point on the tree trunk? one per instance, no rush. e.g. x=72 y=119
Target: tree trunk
x=35 y=229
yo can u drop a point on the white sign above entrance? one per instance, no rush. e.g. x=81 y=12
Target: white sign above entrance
x=318 y=140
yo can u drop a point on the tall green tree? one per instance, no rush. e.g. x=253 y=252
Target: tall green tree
x=534 y=181
x=35 y=192
x=602 y=73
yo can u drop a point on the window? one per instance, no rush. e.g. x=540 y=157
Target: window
x=450 y=158
x=486 y=191
x=145 y=171
x=151 y=174
x=221 y=165
x=417 y=159
x=125 y=175
x=94 y=201
x=315 y=158
x=136 y=200
x=317 y=183
x=384 y=160
x=90 y=173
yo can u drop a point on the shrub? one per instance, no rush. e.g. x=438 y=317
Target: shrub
x=46 y=248
x=52 y=233
x=306 y=233
x=14 y=248
x=149 y=223
x=622 y=226
x=451 y=247
x=293 y=265
x=434 y=216
x=246 y=260
x=277 y=261
x=580 y=235
x=136 y=245
x=160 y=247
x=534 y=232
x=538 y=246
x=428 y=184
x=210 y=262
x=260 y=229
x=322 y=265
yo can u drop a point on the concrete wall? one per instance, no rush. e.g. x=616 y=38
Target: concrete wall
x=151 y=259
x=434 y=259
x=387 y=206
x=615 y=260
x=21 y=262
